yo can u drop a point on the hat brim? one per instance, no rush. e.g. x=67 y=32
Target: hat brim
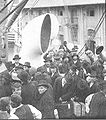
x=16 y=81
x=99 y=49
x=43 y=84
x=27 y=66
x=16 y=58
x=47 y=61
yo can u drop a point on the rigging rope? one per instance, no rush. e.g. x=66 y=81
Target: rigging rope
x=11 y=6
x=5 y=6
x=35 y=2
x=9 y=14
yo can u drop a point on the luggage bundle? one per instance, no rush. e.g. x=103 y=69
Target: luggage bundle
x=70 y=109
x=65 y=109
x=79 y=109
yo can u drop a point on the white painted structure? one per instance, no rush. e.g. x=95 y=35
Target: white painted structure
x=77 y=18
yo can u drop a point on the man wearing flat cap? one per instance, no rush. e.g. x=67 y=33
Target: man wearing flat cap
x=44 y=100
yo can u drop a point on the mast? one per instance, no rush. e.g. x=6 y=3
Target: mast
x=16 y=11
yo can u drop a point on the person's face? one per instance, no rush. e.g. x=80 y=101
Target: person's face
x=16 y=61
x=58 y=61
x=61 y=54
x=42 y=89
x=12 y=104
x=47 y=63
x=66 y=59
x=75 y=58
x=51 y=53
x=2 y=81
x=26 y=68
x=18 y=71
x=17 y=90
x=89 y=54
x=8 y=107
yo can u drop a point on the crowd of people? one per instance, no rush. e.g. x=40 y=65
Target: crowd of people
x=53 y=89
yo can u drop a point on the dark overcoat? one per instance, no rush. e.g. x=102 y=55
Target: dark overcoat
x=53 y=78
x=94 y=88
x=64 y=67
x=66 y=92
x=45 y=104
x=28 y=92
x=98 y=106
x=43 y=69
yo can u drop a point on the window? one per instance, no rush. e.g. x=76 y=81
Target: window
x=74 y=32
x=74 y=12
x=40 y=11
x=90 y=12
x=60 y=13
x=31 y=12
x=74 y=16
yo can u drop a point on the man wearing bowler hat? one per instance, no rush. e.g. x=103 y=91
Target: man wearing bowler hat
x=27 y=66
x=16 y=61
x=46 y=67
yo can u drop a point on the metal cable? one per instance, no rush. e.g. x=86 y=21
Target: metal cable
x=5 y=6
x=35 y=2
x=9 y=14
x=11 y=6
